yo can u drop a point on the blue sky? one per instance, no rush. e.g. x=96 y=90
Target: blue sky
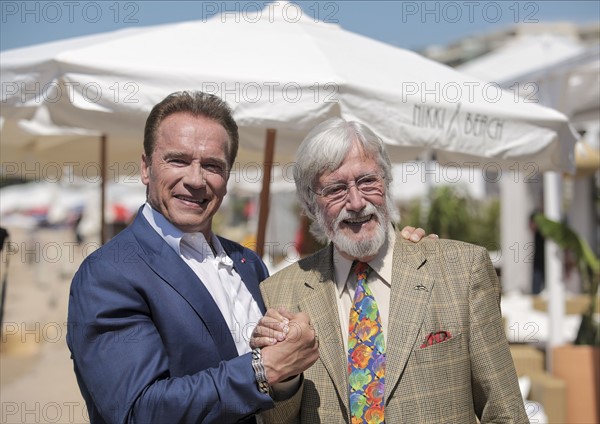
x=407 y=24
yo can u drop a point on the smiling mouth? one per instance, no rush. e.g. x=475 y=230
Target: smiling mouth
x=191 y=200
x=358 y=220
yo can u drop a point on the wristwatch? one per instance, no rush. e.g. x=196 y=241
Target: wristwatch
x=259 y=371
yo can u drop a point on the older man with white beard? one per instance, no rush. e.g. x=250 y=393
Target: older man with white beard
x=408 y=333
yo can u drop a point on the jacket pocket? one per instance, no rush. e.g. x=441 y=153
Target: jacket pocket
x=439 y=351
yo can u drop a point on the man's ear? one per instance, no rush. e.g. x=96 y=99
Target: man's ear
x=146 y=169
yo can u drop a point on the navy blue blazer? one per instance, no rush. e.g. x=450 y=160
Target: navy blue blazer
x=149 y=344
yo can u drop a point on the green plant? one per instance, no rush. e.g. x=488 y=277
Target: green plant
x=453 y=214
x=589 y=269
x=449 y=213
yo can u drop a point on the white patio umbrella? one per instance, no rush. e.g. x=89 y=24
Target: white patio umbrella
x=39 y=143
x=282 y=73
x=557 y=72
x=40 y=151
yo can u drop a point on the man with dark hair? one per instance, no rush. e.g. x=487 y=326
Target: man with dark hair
x=158 y=316
x=195 y=103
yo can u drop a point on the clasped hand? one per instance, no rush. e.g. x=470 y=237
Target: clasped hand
x=288 y=343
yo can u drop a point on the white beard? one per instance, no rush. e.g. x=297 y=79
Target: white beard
x=361 y=248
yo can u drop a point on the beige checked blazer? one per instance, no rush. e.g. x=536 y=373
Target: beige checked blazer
x=470 y=375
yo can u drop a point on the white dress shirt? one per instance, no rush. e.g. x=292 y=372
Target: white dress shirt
x=215 y=270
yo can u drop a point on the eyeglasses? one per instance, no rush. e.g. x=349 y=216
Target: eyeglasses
x=369 y=185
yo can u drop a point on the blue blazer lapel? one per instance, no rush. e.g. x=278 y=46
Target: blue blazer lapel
x=165 y=262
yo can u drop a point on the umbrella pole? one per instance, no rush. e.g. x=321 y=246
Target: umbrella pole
x=102 y=188
x=263 y=213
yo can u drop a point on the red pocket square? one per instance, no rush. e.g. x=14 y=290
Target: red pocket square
x=437 y=337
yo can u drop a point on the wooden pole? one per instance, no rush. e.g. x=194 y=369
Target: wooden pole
x=263 y=213
x=103 y=148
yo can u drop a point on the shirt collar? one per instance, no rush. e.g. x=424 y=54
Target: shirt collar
x=173 y=235
x=381 y=264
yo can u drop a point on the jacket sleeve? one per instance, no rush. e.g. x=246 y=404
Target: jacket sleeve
x=496 y=393
x=122 y=364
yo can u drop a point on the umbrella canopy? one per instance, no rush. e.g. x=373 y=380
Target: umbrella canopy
x=555 y=71
x=282 y=71
x=521 y=56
